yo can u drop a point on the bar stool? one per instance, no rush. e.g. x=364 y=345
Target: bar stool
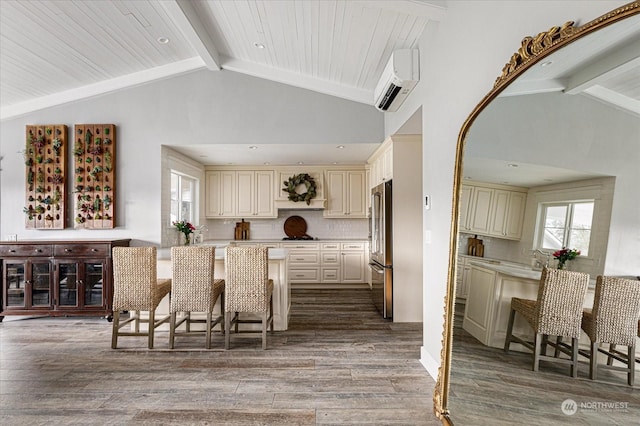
x=556 y=312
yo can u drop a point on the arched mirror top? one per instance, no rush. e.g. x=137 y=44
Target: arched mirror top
x=535 y=49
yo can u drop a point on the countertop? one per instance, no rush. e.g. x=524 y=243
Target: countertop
x=274 y=253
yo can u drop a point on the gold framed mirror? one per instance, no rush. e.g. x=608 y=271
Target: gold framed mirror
x=533 y=50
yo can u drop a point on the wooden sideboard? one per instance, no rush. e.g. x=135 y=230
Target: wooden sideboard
x=58 y=277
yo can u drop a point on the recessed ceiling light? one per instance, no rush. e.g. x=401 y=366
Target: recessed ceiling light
x=301 y=162
x=505 y=182
x=267 y=163
x=258 y=45
x=340 y=146
x=203 y=156
x=334 y=163
x=548 y=180
x=163 y=40
x=546 y=64
x=512 y=165
x=467 y=177
x=253 y=147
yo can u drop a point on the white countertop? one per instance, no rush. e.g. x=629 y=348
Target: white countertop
x=274 y=253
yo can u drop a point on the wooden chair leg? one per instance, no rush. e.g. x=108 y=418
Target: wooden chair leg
x=152 y=327
x=271 y=312
x=536 y=351
x=223 y=316
x=265 y=319
x=631 y=365
x=593 y=362
x=236 y=318
x=172 y=330
x=574 y=357
x=612 y=347
x=556 y=352
x=507 y=339
x=115 y=329
x=208 y=332
x=545 y=341
x=136 y=315
x=227 y=327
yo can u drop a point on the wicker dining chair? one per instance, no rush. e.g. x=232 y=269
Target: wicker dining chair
x=556 y=312
x=194 y=289
x=136 y=288
x=613 y=320
x=248 y=289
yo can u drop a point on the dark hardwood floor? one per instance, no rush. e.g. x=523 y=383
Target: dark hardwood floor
x=489 y=387
x=339 y=363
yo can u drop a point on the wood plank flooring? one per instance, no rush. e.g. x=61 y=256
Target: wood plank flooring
x=489 y=387
x=339 y=363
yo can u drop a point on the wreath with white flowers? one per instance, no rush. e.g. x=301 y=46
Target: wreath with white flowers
x=297 y=180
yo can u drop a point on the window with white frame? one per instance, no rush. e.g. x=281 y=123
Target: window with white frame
x=183 y=197
x=566 y=224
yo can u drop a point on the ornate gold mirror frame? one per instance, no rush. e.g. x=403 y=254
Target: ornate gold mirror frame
x=533 y=49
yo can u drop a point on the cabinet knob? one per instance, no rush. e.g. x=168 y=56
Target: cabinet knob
x=67 y=250
x=38 y=251
x=94 y=250
x=12 y=251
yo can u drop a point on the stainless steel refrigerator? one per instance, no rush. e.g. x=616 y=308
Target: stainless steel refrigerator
x=381 y=255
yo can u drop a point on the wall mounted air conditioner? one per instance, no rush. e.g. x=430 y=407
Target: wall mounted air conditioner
x=398 y=79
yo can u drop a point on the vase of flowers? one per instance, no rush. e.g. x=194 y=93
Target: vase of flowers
x=565 y=255
x=186 y=228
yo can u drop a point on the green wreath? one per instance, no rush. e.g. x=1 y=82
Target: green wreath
x=297 y=180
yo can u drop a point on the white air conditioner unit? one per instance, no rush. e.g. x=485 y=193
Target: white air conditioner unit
x=398 y=79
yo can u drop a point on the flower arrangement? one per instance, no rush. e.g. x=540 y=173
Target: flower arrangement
x=186 y=228
x=564 y=255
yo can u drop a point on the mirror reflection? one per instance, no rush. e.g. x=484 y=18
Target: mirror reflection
x=552 y=163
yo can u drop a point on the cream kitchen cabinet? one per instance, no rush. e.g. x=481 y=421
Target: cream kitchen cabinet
x=492 y=210
x=353 y=263
x=462 y=277
x=304 y=262
x=381 y=164
x=221 y=192
x=507 y=214
x=346 y=194
x=255 y=194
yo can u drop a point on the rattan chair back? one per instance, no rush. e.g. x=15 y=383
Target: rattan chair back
x=247 y=279
x=192 y=288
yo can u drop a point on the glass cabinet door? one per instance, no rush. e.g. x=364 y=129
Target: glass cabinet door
x=93 y=279
x=27 y=284
x=67 y=284
x=41 y=284
x=15 y=284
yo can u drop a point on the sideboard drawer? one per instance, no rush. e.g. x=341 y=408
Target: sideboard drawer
x=76 y=249
x=22 y=250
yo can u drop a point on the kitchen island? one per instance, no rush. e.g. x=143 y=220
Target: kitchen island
x=278 y=272
x=491 y=287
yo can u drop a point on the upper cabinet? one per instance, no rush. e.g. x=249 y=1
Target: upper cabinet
x=220 y=200
x=255 y=195
x=240 y=193
x=492 y=210
x=346 y=194
x=381 y=164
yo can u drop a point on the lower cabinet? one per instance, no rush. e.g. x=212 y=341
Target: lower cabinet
x=327 y=263
x=57 y=278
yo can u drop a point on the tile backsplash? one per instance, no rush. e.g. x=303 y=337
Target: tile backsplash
x=268 y=229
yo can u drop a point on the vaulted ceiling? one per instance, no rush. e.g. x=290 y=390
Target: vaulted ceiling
x=58 y=51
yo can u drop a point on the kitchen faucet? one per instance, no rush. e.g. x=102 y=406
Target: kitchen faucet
x=547 y=255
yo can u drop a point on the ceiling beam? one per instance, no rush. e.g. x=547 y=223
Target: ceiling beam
x=185 y=17
x=616 y=99
x=619 y=61
x=531 y=87
x=299 y=80
x=434 y=10
x=106 y=86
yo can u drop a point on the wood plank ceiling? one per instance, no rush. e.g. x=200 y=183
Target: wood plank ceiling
x=62 y=50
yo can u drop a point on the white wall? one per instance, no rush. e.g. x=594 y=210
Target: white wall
x=198 y=108
x=460 y=59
